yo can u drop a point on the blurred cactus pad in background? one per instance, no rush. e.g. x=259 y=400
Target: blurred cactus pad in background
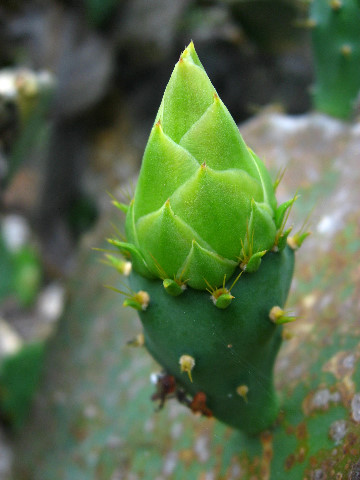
x=208 y=246
x=335 y=28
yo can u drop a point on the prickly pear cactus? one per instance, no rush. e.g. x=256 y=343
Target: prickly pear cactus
x=92 y=417
x=211 y=265
x=336 y=46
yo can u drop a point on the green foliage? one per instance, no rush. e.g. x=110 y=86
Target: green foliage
x=336 y=47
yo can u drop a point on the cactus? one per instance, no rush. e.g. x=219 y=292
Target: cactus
x=336 y=47
x=211 y=265
x=92 y=417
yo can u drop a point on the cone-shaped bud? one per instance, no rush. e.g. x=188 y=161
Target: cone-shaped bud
x=202 y=196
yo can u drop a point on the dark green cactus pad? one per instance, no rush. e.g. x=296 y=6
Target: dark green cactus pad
x=336 y=44
x=93 y=418
x=233 y=347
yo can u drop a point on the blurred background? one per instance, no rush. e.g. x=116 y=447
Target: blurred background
x=80 y=84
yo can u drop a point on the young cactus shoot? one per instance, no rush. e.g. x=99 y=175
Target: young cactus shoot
x=208 y=245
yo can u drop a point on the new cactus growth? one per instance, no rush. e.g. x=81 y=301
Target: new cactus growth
x=336 y=46
x=207 y=242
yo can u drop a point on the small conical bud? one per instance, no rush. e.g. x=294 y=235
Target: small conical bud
x=196 y=166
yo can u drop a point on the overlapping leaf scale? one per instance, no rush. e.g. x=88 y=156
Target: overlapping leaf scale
x=261 y=227
x=187 y=96
x=267 y=185
x=216 y=205
x=188 y=219
x=190 y=54
x=130 y=227
x=165 y=167
x=165 y=240
x=216 y=140
x=203 y=267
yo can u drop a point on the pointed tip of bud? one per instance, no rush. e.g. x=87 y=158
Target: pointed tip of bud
x=158 y=123
x=188 y=51
x=187 y=363
x=216 y=97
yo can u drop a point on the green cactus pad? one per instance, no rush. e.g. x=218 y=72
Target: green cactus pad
x=231 y=347
x=336 y=46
